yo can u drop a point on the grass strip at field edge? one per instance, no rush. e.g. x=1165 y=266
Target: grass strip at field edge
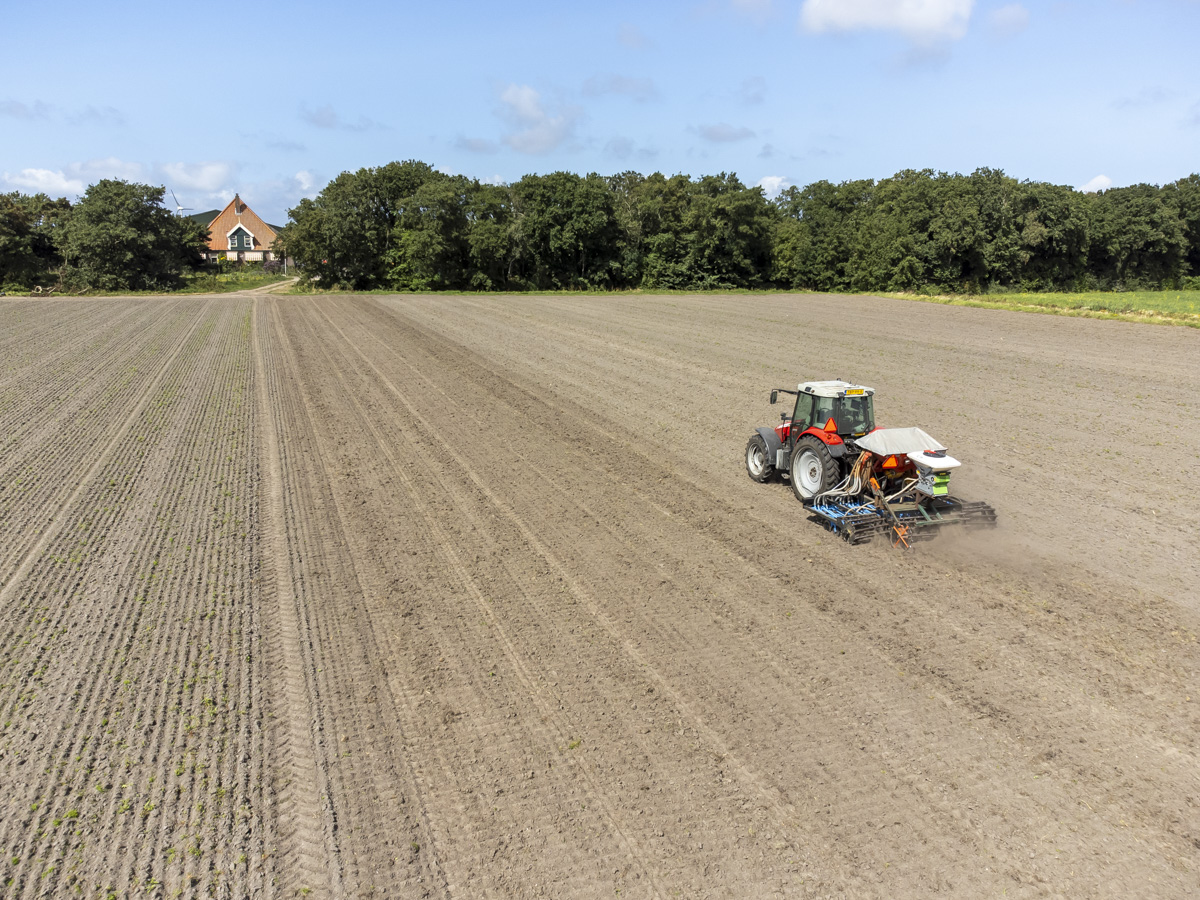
x=1142 y=316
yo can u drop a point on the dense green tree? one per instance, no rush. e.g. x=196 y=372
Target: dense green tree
x=346 y=235
x=430 y=248
x=1138 y=238
x=30 y=235
x=995 y=256
x=821 y=229
x=491 y=243
x=895 y=247
x=1055 y=237
x=1185 y=196
x=660 y=207
x=727 y=228
x=685 y=234
x=565 y=231
x=626 y=189
x=119 y=236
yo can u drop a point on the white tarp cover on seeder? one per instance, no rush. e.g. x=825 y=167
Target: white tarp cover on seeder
x=899 y=441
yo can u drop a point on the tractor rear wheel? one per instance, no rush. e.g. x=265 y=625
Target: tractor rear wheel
x=814 y=470
x=758 y=460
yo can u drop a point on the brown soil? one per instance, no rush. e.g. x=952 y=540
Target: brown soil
x=471 y=597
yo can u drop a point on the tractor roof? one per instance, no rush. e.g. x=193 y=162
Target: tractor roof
x=833 y=388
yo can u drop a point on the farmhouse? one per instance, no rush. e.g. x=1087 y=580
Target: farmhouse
x=237 y=233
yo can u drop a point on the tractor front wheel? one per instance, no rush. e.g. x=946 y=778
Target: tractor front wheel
x=758 y=460
x=813 y=469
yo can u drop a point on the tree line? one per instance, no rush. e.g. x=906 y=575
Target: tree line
x=405 y=226
x=117 y=237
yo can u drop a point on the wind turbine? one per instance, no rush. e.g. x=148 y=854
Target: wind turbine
x=179 y=210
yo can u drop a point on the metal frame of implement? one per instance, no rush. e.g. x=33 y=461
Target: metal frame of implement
x=910 y=518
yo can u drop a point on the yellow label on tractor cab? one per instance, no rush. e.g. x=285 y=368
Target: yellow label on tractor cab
x=852 y=391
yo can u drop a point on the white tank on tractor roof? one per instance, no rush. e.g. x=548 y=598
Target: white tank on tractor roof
x=833 y=388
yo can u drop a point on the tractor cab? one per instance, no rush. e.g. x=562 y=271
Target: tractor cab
x=831 y=407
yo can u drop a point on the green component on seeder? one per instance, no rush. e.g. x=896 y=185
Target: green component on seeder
x=941 y=484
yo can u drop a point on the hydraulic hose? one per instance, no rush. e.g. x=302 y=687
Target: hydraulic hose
x=852 y=485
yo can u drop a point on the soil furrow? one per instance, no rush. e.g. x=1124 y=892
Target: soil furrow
x=29 y=549
x=529 y=684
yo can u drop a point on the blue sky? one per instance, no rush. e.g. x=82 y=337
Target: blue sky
x=275 y=102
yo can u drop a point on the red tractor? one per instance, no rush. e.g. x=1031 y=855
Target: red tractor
x=859 y=480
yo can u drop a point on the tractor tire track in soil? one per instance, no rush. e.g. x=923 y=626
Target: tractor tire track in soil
x=471 y=597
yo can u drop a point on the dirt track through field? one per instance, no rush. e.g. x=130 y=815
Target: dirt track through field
x=471 y=597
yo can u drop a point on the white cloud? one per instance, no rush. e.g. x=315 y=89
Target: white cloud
x=523 y=102
x=1099 y=183
x=304 y=178
x=534 y=130
x=74 y=178
x=110 y=167
x=204 y=176
x=723 y=133
x=45 y=181
x=773 y=184
x=921 y=21
x=1009 y=20
x=639 y=89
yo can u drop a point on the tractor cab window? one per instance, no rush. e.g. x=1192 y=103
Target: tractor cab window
x=803 y=414
x=858 y=415
x=823 y=412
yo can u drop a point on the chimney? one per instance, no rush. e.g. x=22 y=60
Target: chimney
x=238 y=205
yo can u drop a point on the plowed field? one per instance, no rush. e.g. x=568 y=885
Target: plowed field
x=471 y=597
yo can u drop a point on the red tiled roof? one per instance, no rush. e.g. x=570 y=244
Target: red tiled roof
x=238 y=213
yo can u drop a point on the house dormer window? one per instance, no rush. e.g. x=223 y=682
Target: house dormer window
x=241 y=239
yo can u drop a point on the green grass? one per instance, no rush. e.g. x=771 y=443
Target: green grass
x=204 y=283
x=1168 y=307
x=199 y=283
